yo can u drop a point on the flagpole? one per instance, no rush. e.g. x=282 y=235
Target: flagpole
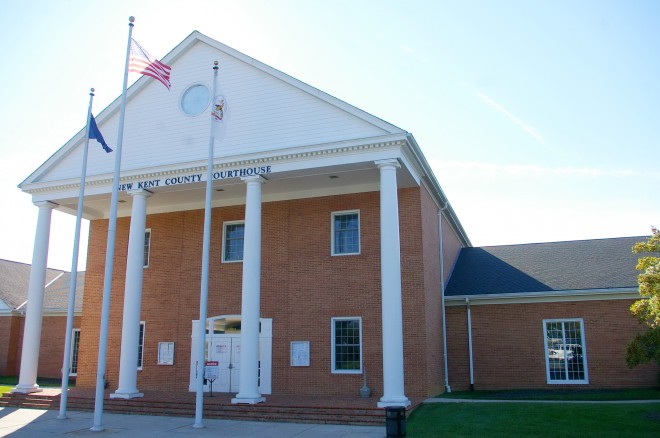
x=66 y=362
x=110 y=254
x=203 y=296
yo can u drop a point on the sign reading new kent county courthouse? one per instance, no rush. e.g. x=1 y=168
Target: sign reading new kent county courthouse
x=187 y=179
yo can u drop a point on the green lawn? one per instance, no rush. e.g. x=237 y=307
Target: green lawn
x=9 y=382
x=4 y=389
x=559 y=394
x=495 y=420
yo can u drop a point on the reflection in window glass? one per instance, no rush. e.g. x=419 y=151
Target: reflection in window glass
x=347 y=349
x=233 y=245
x=75 y=346
x=147 y=246
x=346 y=238
x=566 y=358
x=141 y=346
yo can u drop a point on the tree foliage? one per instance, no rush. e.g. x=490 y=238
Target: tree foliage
x=645 y=346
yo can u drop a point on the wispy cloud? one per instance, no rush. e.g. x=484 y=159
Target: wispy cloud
x=524 y=126
x=536 y=170
x=406 y=49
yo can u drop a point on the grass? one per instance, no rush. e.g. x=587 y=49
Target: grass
x=7 y=383
x=495 y=420
x=559 y=394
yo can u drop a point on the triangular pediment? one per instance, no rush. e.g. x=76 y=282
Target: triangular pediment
x=268 y=111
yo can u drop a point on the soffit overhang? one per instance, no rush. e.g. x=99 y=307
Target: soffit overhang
x=300 y=172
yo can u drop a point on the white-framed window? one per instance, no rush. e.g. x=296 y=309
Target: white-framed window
x=565 y=351
x=141 y=346
x=347 y=345
x=147 y=247
x=345 y=239
x=233 y=234
x=75 y=345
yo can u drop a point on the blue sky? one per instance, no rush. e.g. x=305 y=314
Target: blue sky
x=540 y=119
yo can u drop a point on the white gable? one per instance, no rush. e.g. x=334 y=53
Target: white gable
x=268 y=110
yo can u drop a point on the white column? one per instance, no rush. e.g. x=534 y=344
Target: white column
x=130 y=332
x=27 y=381
x=249 y=375
x=390 y=267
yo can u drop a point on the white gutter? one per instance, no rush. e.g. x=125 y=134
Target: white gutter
x=547 y=296
x=469 y=327
x=442 y=301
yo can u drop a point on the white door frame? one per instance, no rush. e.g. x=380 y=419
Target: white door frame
x=265 y=353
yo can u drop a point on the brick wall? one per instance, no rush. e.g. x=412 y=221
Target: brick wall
x=11 y=328
x=432 y=327
x=51 y=347
x=508 y=345
x=53 y=333
x=302 y=288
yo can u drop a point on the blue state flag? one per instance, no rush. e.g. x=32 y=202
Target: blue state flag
x=94 y=133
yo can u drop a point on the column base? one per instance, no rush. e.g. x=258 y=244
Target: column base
x=247 y=400
x=126 y=395
x=394 y=401
x=25 y=389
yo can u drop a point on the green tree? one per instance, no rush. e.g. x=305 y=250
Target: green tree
x=645 y=346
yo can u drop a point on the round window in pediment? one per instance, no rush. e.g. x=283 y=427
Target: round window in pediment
x=195 y=99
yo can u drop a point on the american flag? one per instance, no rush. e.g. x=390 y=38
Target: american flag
x=140 y=61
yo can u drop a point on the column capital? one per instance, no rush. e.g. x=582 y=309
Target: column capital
x=390 y=162
x=253 y=178
x=45 y=204
x=140 y=192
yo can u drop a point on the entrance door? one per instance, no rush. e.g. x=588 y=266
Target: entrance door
x=223 y=345
x=227 y=351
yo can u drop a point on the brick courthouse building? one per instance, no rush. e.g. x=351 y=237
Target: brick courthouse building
x=354 y=236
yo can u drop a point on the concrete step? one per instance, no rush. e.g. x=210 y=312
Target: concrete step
x=212 y=409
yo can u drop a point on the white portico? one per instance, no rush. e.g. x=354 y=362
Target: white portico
x=284 y=140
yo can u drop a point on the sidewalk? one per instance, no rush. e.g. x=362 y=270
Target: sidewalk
x=20 y=422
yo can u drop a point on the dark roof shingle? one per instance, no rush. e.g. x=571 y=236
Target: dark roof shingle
x=15 y=278
x=545 y=267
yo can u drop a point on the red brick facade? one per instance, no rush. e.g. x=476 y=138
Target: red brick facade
x=302 y=288
x=11 y=334
x=52 y=345
x=508 y=345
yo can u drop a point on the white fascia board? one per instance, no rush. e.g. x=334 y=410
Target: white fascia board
x=387 y=146
x=545 y=297
x=432 y=184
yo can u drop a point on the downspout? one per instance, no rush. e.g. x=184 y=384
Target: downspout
x=469 y=327
x=442 y=301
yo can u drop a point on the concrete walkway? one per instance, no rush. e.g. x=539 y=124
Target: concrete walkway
x=20 y=422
